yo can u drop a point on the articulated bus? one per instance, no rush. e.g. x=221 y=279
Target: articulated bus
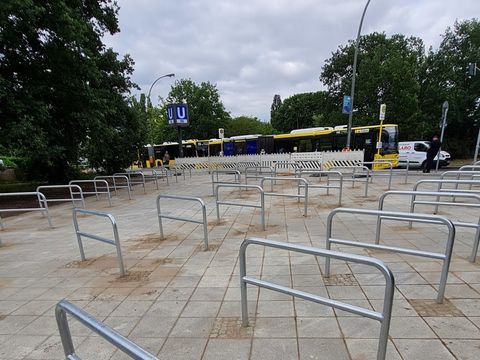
x=315 y=139
x=384 y=147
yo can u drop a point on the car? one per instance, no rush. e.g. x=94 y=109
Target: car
x=416 y=153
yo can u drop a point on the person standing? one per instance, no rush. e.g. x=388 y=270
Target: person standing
x=166 y=158
x=431 y=153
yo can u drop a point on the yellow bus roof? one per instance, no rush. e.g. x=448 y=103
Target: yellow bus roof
x=327 y=131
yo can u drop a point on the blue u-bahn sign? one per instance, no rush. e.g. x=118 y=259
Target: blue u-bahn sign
x=177 y=114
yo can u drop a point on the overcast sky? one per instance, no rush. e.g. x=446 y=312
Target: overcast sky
x=254 y=49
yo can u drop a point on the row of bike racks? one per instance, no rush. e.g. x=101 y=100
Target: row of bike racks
x=383 y=317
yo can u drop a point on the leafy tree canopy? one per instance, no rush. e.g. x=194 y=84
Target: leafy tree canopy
x=62 y=92
x=388 y=71
x=205 y=109
x=246 y=125
x=298 y=111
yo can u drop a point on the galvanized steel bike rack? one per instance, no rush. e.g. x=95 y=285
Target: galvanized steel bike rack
x=398 y=216
x=354 y=170
x=120 y=342
x=42 y=205
x=114 y=179
x=240 y=186
x=441 y=182
x=104 y=186
x=475 y=167
x=115 y=242
x=236 y=173
x=150 y=174
x=286 y=165
x=413 y=195
x=131 y=181
x=298 y=195
x=379 y=172
x=187 y=198
x=326 y=173
x=383 y=317
x=72 y=197
x=257 y=172
x=175 y=171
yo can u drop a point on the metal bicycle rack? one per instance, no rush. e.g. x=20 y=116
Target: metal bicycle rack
x=131 y=181
x=383 y=317
x=114 y=179
x=437 y=195
x=115 y=242
x=105 y=189
x=326 y=173
x=297 y=196
x=398 y=216
x=442 y=182
x=286 y=165
x=475 y=167
x=380 y=172
x=217 y=181
x=42 y=205
x=354 y=168
x=120 y=342
x=187 y=198
x=257 y=172
x=240 y=186
x=173 y=170
x=72 y=197
x=150 y=174
x=459 y=174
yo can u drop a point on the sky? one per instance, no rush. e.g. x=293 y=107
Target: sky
x=254 y=49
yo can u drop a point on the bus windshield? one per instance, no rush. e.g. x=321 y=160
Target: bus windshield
x=390 y=140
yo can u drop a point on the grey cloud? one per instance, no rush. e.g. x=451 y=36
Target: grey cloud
x=254 y=49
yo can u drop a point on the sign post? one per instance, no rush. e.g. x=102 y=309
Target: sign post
x=443 y=125
x=177 y=115
x=379 y=145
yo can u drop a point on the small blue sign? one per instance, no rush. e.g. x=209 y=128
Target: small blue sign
x=177 y=114
x=347 y=104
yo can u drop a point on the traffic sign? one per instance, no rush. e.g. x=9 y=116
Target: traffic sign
x=383 y=109
x=221 y=133
x=177 y=114
x=347 y=104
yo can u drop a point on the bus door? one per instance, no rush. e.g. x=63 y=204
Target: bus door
x=251 y=147
x=228 y=149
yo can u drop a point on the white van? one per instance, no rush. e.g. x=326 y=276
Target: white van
x=416 y=153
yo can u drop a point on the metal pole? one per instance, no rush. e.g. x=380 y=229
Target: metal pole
x=352 y=92
x=161 y=77
x=476 y=147
x=444 y=123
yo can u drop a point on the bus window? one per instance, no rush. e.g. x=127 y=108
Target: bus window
x=251 y=147
x=239 y=147
x=389 y=140
x=228 y=149
x=305 y=145
x=340 y=141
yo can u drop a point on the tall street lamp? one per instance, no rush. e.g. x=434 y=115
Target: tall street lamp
x=151 y=151
x=161 y=77
x=352 y=93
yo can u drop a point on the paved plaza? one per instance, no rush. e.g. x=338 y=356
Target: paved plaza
x=180 y=302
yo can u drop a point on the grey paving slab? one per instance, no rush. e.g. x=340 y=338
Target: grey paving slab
x=181 y=302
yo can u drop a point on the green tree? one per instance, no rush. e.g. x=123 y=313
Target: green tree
x=298 y=111
x=205 y=109
x=388 y=71
x=246 y=125
x=277 y=102
x=445 y=78
x=62 y=92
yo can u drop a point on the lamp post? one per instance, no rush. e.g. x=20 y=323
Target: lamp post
x=161 y=77
x=352 y=93
x=151 y=151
